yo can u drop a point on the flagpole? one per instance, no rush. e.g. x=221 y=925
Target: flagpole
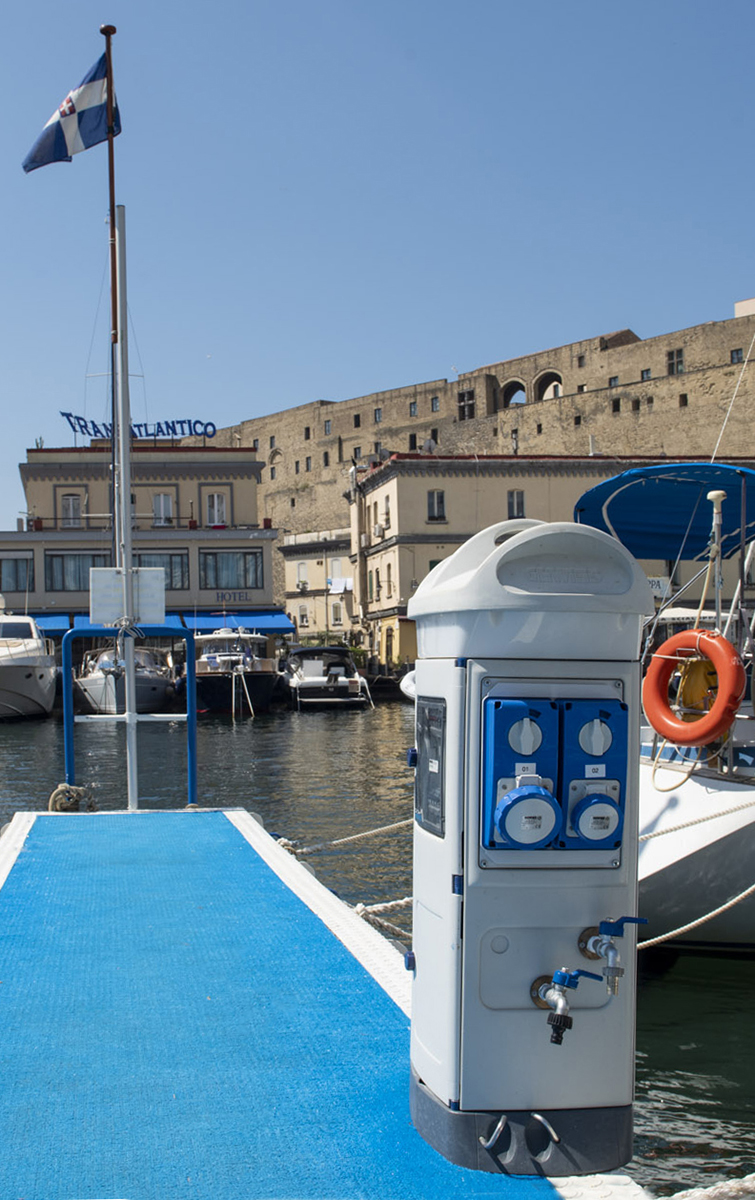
x=120 y=436
x=107 y=32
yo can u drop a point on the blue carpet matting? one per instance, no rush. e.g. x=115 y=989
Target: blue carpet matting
x=174 y=1022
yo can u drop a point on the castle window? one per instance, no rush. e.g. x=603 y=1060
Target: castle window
x=272 y=442
x=736 y=356
x=580 y=360
x=466 y=405
x=272 y=473
x=412 y=441
x=327 y=428
x=683 y=401
x=307 y=433
x=613 y=381
x=307 y=464
x=296 y=467
x=635 y=406
x=581 y=387
x=645 y=374
x=325 y=458
x=357 y=420
x=539 y=429
x=675 y=362
x=357 y=452
x=435 y=404
x=578 y=419
x=256 y=444
x=412 y=408
x=616 y=405
x=378 y=415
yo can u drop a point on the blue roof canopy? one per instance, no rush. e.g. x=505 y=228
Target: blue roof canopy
x=662 y=512
x=53 y=624
x=266 y=620
x=81 y=621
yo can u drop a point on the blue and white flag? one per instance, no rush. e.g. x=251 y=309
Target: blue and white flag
x=80 y=122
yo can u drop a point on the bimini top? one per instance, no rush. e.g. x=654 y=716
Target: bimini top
x=662 y=511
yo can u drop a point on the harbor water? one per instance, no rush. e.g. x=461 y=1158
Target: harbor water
x=314 y=777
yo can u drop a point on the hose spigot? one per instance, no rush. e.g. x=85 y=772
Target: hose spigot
x=598 y=943
x=551 y=993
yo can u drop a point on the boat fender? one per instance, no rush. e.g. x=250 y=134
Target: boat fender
x=689 y=644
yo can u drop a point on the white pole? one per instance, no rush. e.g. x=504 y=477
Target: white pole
x=123 y=468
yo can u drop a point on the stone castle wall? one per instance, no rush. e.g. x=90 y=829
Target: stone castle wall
x=606 y=395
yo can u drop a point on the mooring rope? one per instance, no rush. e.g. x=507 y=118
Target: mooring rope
x=700 y=920
x=726 y=812
x=295 y=848
x=730 y=1189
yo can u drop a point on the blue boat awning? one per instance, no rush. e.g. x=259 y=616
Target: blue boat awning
x=172 y=621
x=662 y=512
x=265 y=620
x=53 y=624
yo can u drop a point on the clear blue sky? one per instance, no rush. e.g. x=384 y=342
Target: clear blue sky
x=326 y=198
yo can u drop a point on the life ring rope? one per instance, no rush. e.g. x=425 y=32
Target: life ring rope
x=676 y=652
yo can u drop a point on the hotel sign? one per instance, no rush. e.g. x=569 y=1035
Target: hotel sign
x=161 y=429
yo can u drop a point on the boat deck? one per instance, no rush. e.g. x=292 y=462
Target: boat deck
x=186 y=1012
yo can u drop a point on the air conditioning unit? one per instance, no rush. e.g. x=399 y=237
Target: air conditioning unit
x=364 y=540
x=378 y=531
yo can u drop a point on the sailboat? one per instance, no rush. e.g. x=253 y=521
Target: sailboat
x=697 y=777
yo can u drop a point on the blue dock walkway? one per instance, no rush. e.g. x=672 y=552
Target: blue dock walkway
x=176 y=1021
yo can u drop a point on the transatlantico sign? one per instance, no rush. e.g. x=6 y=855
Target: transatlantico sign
x=163 y=429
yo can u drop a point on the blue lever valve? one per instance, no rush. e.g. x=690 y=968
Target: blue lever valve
x=528 y=817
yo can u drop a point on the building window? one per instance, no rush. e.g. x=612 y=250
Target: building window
x=412 y=408
x=516 y=504
x=307 y=433
x=388 y=580
x=683 y=401
x=675 y=362
x=70 y=507
x=216 y=507
x=272 y=442
x=412 y=441
x=613 y=381
x=369 y=585
x=336 y=613
x=377 y=447
x=335 y=568
x=378 y=415
x=466 y=405
x=357 y=452
x=357 y=420
x=327 y=428
x=176 y=567
x=272 y=473
x=578 y=419
x=16 y=575
x=296 y=467
x=737 y=356
x=325 y=458
x=387 y=512
x=434 y=435
x=256 y=444
x=162 y=509
x=434 y=404
x=635 y=406
x=301 y=573
x=557 y=389
x=616 y=405
x=230 y=569
x=649 y=401
x=293 y=502
x=436 y=506
x=307 y=463
x=645 y=374
x=303 y=616
x=538 y=428
x=580 y=360
x=70 y=572
x=581 y=387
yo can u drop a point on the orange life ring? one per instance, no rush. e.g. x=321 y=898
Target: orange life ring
x=731 y=685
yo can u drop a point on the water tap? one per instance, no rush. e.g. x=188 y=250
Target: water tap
x=598 y=943
x=551 y=993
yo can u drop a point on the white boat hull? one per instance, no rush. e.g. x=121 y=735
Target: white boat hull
x=27 y=689
x=104 y=693
x=696 y=855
